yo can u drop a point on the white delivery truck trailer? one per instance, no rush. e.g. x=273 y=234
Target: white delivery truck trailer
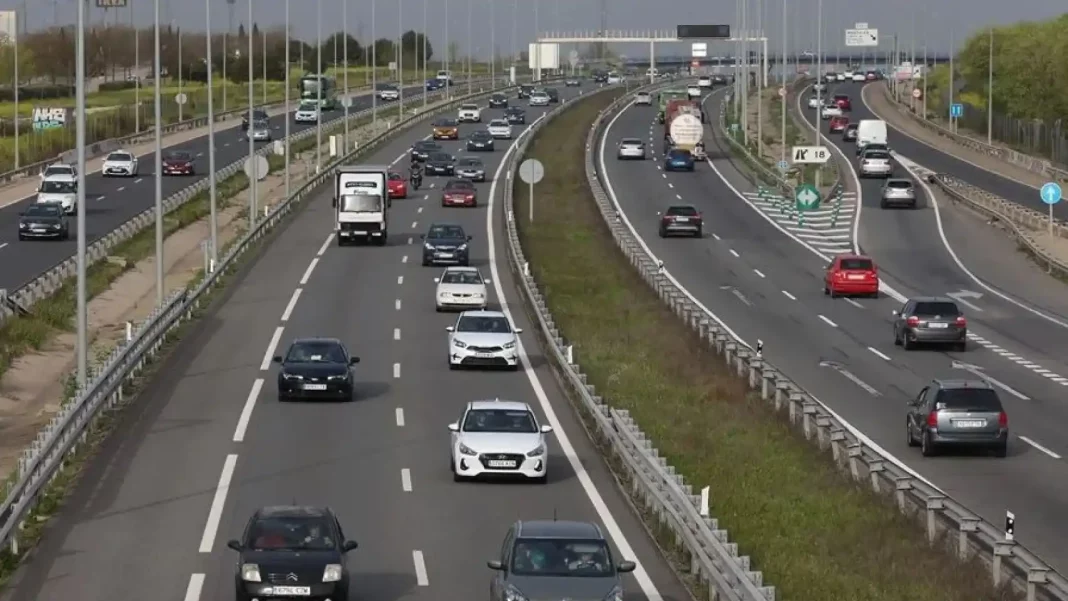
x=361 y=204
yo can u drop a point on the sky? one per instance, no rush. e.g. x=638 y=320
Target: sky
x=932 y=23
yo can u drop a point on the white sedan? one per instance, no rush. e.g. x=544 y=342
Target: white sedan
x=483 y=338
x=813 y=102
x=120 y=163
x=500 y=129
x=704 y=81
x=498 y=438
x=643 y=98
x=859 y=77
x=460 y=288
x=693 y=92
x=830 y=110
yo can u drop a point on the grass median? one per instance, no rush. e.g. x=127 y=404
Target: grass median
x=815 y=535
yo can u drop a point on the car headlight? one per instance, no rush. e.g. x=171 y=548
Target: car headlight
x=250 y=572
x=292 y=376
x=332 y=572
x=427 y=246
x=513 y=594
x=462 y=247
x=459 y=344
x=509 y=345
x=477 y=294
x=337 y=378
x=56 y=226
x=616 y=594
x=23 y=226
x=537 y=452
x=466 y=450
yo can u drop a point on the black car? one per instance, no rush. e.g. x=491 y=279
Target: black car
x=524 y=91
x=292 y=552
x=480 y=140
x=498 y=101
x=257 y=115
x=554 y=95
x=44 y=220
x=516 y=116
x=178 y=162
x=440 y=163
x=423 y=149
x=573 y=82
x=319 y=368
x=445 y=243
x=849 y=134
x=681 y=219
x=931 y=320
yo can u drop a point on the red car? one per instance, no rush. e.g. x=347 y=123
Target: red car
x=398 y=186
x=849 y=275
x=459 y=193
x=843 y=102
x=838 y=124
x=178 y=162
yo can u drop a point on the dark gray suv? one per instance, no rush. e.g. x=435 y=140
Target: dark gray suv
x=930 y=320
x=549 y=560
x=957 y=413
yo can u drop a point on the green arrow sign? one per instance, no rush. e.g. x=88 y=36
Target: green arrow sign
x=807 y=197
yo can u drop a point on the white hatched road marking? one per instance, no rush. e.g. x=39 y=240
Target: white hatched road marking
x=821 y=228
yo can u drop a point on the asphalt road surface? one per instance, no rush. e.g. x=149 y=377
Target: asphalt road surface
x=111 y=201
x=765 y=285
x=200 y=452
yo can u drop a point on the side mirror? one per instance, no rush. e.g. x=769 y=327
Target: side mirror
x=333 y=202
x=546 y=428
x=454 y=427
x=894 y=313
x=234 y=544
x=487 y=281
x=518 y=330
x=659 y=214
x=625 y=566
x=437 y=280
x=354 y=360
x=277 y=359
x=469 y=238
x=450 y=329
x=422 y=236
x=494 y=564
x=349 y=545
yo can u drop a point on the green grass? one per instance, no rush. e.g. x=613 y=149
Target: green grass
x=814 y=534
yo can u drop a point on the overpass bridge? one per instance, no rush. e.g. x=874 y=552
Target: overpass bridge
x=802 y=59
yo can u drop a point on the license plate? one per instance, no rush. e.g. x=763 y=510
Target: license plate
x=485 y=355
x=500 y=463
x=938 y=326
x=445 y=255
x=300 y=591
x=969 y=423
x=315 y=387
x=682 y=219
x=855 y=276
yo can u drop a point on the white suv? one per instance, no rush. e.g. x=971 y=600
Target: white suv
x=469 y=113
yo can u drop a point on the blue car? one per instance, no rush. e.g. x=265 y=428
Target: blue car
x=678 y=160
x=434 y=84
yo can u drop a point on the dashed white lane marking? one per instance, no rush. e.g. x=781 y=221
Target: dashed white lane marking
x=1018 y=360
x=420 y=568
x=195 y=587
x=121 y=188
x=246 y=411
x=400 y=280
x=1039 y=447
x=678 y=196
x=326 y=245
x=828 y=321
x=275 y=338
x=211 y=528
x=396 y=371
x=788 y=295
x=406 y=480
x=2 y=245
x=759 y=273
x=671 y=185
x=404 y=259
x=396 y=333
x=100 y=198
x=879 y=353
x=854 y=303
x=138 y=180
x=415 y=224
x=735 y=253
x=409 y=239
x=716 y=236
x=292 y=304
x=307 y=272
x=419 y=210
x=400 y=417
x=397 y=304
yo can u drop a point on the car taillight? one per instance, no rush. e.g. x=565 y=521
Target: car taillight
x=961 y=322
x=913 y=321
x=873 y=275
x=932 y=419
x=840 y=275
x=1003 y=420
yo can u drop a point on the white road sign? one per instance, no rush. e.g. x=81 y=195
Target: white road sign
x=699 y=49
x=811 y=154
x=860 y=26
x=862 y=37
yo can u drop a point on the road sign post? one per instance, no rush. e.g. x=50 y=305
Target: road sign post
x=1051 y=194
x=861 y=37
x=531 y=171
x=811 y=154
x=806 y=198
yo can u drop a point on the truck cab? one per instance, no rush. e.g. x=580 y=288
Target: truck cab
x=361 y=204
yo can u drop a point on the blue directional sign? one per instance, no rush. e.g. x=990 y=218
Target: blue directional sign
x=956 y=110
x=783 y=165
x=1050 y=193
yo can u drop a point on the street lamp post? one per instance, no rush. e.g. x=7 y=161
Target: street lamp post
x=319 y=85
x=79 y=70
x=211 y=140
x=345 y=100
x=400 y=61
x=287 y=119
x=252 y=180
x=425 y=31
x=157 y=79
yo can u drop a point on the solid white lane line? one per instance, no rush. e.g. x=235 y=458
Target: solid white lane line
x=420 y=568
x=396 y=333
x=828 y=322
x=1039 y=447
x=246 y=412
x=400 y=417
x=397 y=304
x=292 y=304
x=266 y=363
x=308 y=271
x=326 y=245
x=879 y=353
x=195 y=587
x=396 y=370
x=757 y=271
x=400 y=280
x=215 y=513
x=734 y=252
x=406 y=480
x=788 y=295
x=854 y=303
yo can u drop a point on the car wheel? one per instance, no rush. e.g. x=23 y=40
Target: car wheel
x=426 y=263
x=453 y=366
x=961 y=347
x=897 y=339
x=910 y=440
x=927 y=448
x=882 y=204
x=662 y=233
x=348 y=398
x=833 y=293
x=875 y=294
x=282 y=397
x=465 y=263
x=1001 y=450
x=340 y=241
x=906 y=343
x=456 y=477
x=699 y=233
x=21 y=237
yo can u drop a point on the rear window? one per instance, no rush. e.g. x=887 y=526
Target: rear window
x=879 y=155
x=631 y=142
x=969 y=399
x=679 y=154
x=852 y=127
x=901 y=185
x=841 y=97
x=857 y=265
x=682 y=211
x=937 y=308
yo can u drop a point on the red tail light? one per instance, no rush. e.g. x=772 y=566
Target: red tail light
x=913 y=321
x=1003 y=420
x=932 y=419
x=961 y=322
x=873 y=274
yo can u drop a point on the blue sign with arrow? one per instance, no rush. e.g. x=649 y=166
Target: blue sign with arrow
x=1050 y=193
x=956 y=110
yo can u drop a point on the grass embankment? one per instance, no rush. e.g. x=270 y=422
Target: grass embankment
x=815 y=535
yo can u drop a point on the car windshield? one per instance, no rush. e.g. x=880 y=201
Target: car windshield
x=899 y=184
x=469 y=107
x=441 y=157
x=462 y=277
x=936 y=309
x=487 y=324
x=679 y=154
x=480 y=135
x=428 y=146
x=179 y=156
x=308 y=106
x=361 y=203
x=445 y=123
x=316 y=352
x=446 y=231
x=119 y=156
x=59 y=170
x=561 y=557
x=386 y=86
x=841 y=97
x=968 y=399
x=396 y=177
x=498 y=123
x=682 y=211
x=500 y=420
x=878 y=155
x=43 y=210
x=470 y=164
x=856 y=265
x=291 y=533
x=261 y=124
x=852 y=127
x=58 y=187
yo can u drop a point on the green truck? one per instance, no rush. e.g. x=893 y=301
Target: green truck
x=666 y=97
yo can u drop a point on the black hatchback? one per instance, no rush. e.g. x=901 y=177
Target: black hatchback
x=516 y=116
x=480 y=140
x=44 y=220
x=524 y=91
x=292 y=552
x=316 y=368
x=422 y=150
x=445 y=243
x=498 y=101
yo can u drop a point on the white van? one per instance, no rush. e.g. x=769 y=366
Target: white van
x=61 y=189
x=871 y=131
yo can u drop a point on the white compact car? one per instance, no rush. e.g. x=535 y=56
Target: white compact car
x=119 y=163
x=539 y=99
x=60 y=189
x=631 y=148
x=59 y=169
x=500 y=129
x=693 y=92
x=704 y=82
x=388 y=94
x=483 y=338
x=819 y=87
x=859 y=77
x=840 y=77
x=643 y=98
x=498 y=438
x=469 y=113
x=830 y=110
x=307 y=112
x=461 y=288
x=813 y=102
x=614 y=80
x=848 y=75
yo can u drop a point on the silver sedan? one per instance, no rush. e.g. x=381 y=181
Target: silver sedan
x=898 y=193
x=631 y=148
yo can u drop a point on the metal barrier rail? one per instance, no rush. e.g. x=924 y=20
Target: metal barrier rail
x=1031 y=163
x=714 y=561
x=42 y=461
x=46 y=284
x=946 y=521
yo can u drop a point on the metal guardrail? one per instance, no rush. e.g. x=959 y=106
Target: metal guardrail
x=714 y=560
x=42 y=461
x=46 y=284
x=1031 y=163
x=945 y=520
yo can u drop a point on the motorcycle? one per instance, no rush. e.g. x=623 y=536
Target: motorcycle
x=417 y=180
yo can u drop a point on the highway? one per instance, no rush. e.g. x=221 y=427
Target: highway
x=765 y=285
x=208 y=442
x=111 y=201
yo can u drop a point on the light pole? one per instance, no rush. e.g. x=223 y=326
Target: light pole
x=345 y=100
x=137 y=80
x=157 y=79
x=319 y=85
x=180 y=104
x=446 y=59
x=287 y=119
x=374 y=67
x=400 y=61
x=990 y=93
x=226 y=50
x=211 y=141
x=952 y=120
x=79 y=69
x=263 y=59
x=782 y=92
x=493 y=47
x=515 y=38
x=16 y=87
x=819 y=74
x=469 y=49
x=425 y=31
x=252 y=179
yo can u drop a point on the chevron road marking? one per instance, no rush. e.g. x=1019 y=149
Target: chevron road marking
x=820 y=228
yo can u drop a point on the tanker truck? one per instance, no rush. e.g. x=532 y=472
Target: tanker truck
x=665 y=98
x=683 y=129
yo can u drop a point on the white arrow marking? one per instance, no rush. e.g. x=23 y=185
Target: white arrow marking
x=978 y=371
x=963 y=294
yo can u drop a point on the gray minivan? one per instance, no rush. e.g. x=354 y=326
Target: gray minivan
x=957 y=413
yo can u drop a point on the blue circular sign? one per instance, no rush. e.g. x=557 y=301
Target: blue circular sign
x=1050 y=193
x=783 y=165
